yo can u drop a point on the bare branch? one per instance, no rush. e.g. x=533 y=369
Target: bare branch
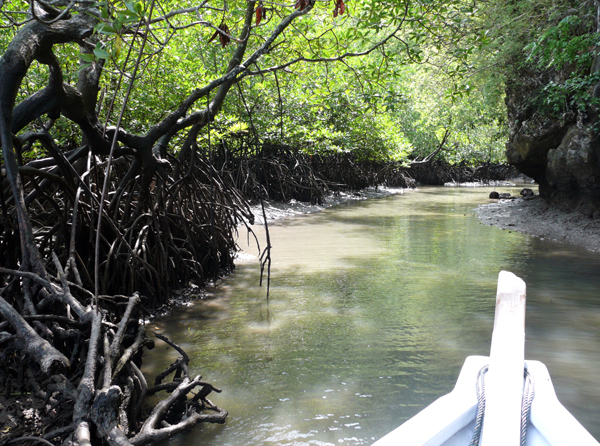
x=40 y=350
x=171 y=14
x=339 y=58
x=149 y=432
x=116 y=343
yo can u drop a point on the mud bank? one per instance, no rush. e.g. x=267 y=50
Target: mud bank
x=534 y=216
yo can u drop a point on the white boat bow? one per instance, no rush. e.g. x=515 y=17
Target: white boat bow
x=451 y=420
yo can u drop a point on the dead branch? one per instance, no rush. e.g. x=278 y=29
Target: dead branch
x=149 y=432
x=117 y=340
x=130 y=351
x=429 y=158
x=41 y=351
x=86 y=388
x=105 y=415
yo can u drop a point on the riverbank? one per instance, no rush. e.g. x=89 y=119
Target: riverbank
x=276 y=210
x=535 y=217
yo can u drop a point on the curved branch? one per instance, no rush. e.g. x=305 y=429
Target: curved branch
x=149 y=432
x=339 y=58
x=33 y=41
x=236 y=67
x=40 y=350
x=179 y=12
x=49 y=10
x=430 y=157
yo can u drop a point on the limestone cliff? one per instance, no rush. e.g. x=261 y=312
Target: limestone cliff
x=561 y=152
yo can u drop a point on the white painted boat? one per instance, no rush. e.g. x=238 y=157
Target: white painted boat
x=451 y=420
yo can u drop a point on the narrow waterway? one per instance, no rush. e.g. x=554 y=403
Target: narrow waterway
x=374 y=306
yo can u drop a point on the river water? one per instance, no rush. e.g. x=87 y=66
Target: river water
x=373 y=307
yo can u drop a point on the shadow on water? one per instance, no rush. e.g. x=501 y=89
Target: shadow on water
x=374 y=307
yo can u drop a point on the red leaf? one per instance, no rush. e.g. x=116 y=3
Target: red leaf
x=222 y=32
x=301 y=4
x=213 y=36
x=340 y=8
x=259 y=14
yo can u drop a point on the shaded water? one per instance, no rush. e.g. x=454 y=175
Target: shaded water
x=373 y=308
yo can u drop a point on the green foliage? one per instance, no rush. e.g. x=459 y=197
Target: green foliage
x=472 y=111
x=566 y=44
x=575 y=93
x=550 y=40
x=567 y=48
x=395 y=102
x=388 y=104
x=318 y=116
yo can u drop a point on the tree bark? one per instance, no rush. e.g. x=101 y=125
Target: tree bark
x=49 y=359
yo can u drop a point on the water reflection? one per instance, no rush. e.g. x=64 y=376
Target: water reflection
x=373 y=308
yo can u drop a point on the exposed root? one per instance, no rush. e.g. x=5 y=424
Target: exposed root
x=110 y=395
x=282 y=173
x=439 y=172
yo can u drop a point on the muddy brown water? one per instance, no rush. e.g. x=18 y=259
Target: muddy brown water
x=374 y=306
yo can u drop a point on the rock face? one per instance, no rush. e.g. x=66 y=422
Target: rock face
x=562 y=154
x=573 y=170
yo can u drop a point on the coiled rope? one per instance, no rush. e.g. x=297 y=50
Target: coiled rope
x=528 y=395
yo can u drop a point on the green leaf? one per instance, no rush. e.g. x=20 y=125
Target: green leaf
x=87 y=57
x=101 y=53
x=103 y=28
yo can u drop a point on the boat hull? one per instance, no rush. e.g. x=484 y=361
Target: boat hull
x=450 y=420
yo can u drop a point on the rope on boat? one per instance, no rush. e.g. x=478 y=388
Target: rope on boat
x=528 y=395
x=480 y=386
